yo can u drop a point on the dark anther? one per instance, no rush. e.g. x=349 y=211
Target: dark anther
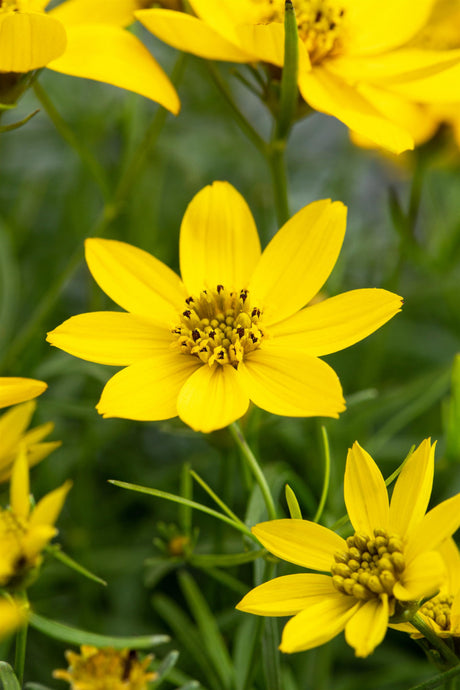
x=212 y=334
x=319 y=16
x=204 y=349
x=220 y=288
x=240 y=331
x=221 y=354
x=132 y=656
x=196 y=335
x=187 y=313
x=332 y=26
x=253 y=338
x=177 y=331
x=243 y=295
x=255 y=312
x=189 y=300
x=341 y=13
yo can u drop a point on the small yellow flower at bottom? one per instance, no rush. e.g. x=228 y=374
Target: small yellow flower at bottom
x=388 y=565
x=106 y=669
x=14 y=389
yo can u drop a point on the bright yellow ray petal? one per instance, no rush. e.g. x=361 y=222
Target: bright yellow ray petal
x=299 y=259
x=266 y=41
x=412 y=490
x=438 y=524
x=29 y=41
x=455 y=615
x=337 y=322
x=12 y=616
x=37 y=453
x=35 y=541
x=367 y=628
x=115 y=56
x=212 y=398
x=191 y=35
x=451 y=557
x=147 y=390
x=301 y=542
x=374 y=27
x=136 y=280
x=219 y=243
x=115 y=338
x=226 y=16
x=366 y=496
x=37 y=434
x=318 y=623
x=287 y=595
x=330 y=94
x=47 y=510
x=421 y=577
x=13 y=423
x=19 y=486
x=291 y=383
x=15 y=390
x=116 y=12
x=438 y=88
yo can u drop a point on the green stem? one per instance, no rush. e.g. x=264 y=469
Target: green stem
x=277 y=164
x=327 y=475
x=21 y=644
x=288 y=94
x=440 y=680
x=446 y=653
x=255 y=468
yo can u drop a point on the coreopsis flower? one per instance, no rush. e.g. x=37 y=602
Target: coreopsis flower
x=355 y=58
x=82 y=38
x=15 y=390
x=14 y=435
x=233 y=329
x=24 y=532
x=387 y=565
x=106 y=669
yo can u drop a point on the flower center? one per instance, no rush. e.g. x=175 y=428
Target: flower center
x=11 y=538
x=438 y=609
x=219 y=327
x=9 y=6
x=319 y=23
x=370 y=566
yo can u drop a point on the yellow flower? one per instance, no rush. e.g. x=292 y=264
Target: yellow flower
x=233 y=329
x=25 y=532
x=355 y=55
x=13 y=615
x=106 y=669
x=13 y=435
x=83 y=38
x=389 y=563
x=15 y=390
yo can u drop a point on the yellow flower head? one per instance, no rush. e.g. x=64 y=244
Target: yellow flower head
x=25 y=532
x=14 y=435
x=233 y=329
x=388 y=565
x=356 y=61
x=106 y=669
x=15 y=390
x=82 y=38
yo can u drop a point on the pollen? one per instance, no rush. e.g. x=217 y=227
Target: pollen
x=219 y=326
x=370 y=566
x=438 y=609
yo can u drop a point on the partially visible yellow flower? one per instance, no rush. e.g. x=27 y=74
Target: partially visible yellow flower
x=106 y=669
x=233 y=329
x=356 y=58
x=15 y=390
x=13 y=615
x=391 y=560
x=25 y=532
x=82 y=38
x=13 y=436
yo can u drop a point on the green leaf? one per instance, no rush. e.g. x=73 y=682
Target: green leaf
x=55 y=551
x=167 y=664
x=225 y=560
x=65 y=633
x=452 y=414
x=293 y=504
x=36 y=686
x=7 y=677
x=247 y=640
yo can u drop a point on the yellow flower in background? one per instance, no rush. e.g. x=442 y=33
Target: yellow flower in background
x=13 y=615
x=15 y=390
x=356 y=58
x=24 y=532
x=14 y=435
x=389 y=564
x=233 y=329
x=106 y=669
x=82 y=38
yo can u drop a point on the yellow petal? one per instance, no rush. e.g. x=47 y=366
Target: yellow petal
x=365 y=492
x=37 y=434
x=291 y=383
x=37 y=453
x=212 y=398
x=191 y=35
x=455 y=615
x=373 y=26
x=115 y=56
x=287 y=595
x=35 y=541
x=451 y=557
x=226 y=16
x=331 y=94
x=29 y=41
x=368 y=626
x=12 y=616
x=19 y=486
x=441 y=87
x=113 y=338
x=147 y=390
x=437 y=525
x=15 y=390
x=412 y=490
x=136 y=281
x=13 y=423
x=264 y=40
x=337 y=322
x=47 y=510
x=301 y=542
x=219 y=244
x=116 y=12
x=422 y=577
x=318 y=623
x=299 y=259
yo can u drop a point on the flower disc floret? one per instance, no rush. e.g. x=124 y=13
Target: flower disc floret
x=439 y=609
